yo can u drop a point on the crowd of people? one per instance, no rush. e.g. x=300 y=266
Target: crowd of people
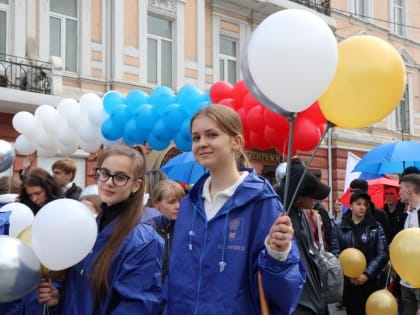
x=232 y=244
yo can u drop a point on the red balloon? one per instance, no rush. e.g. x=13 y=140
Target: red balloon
x=249 y=101
x=221 y=90
x=228 y=102
x=255 y=119
x=314 y=113
x=276 y=137
x=306 y=134
x=258 y=141
x=275 y=120
x=242 y=114
x=240 y=90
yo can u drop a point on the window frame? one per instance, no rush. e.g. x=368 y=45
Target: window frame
x=159 y=39
x=399 y=27
x=63 y=38
x=6 y=8
x=224 y=58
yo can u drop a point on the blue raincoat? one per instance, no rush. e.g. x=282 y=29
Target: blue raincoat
x=213 y=265
x=134 y=276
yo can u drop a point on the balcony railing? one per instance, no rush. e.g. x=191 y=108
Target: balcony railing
x=321 y=6
x=25 y=74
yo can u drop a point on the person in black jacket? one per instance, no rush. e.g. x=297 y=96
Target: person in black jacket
x=64 y=172
x=360 y=230
x=361 y=185
x=310 y=190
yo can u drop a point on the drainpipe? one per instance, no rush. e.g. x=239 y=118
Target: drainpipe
x=108 y=38
x=330 y=181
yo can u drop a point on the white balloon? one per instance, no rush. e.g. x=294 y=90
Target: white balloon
x=290 y=60
x=45 y=138
x=89 y=132
x=24 y=122
x=66 y=105
x=48 y=116
x=67 y=149
x=49 y=151
x=24 y=145
x=63 y=233
x=74 y=117
x=21 y=217
x=67 y=135
x=89 y=100
x=90 y=147
x=97 y=115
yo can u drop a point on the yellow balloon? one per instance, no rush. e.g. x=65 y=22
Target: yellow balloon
x=369 y=83
x=404 y=252
x=353 y=262
x=381 y=302
x=25 y=237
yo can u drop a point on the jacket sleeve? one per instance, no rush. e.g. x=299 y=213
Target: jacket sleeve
x=380 y=256
x=282 y=280
x=138 y=282
x=335 y=241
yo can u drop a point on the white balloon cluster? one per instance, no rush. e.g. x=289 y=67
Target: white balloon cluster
x=72 y=125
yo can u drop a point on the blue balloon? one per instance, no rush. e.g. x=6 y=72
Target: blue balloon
x=110 y=131
x=157 y=144
x=111 y=99
x=120 y=115
x=145 y=117
x=183 y=139
x=132 y=135
x=134 y=99
x=161 y=132
x=173 y=117
x=162 y=97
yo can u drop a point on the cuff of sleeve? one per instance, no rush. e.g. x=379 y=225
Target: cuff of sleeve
x=281 y=256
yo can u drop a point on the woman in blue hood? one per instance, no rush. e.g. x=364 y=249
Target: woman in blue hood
x=230 y=229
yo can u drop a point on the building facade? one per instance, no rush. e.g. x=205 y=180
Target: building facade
x=55 y=49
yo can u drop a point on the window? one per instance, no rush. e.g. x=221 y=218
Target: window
x=3 y=26
x=159 y=51
x=63 y=32
x=402 y=113
x=228 y=60
x=361 y=8
x=399 y=17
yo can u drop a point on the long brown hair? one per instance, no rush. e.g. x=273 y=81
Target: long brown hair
x=230 y=122
x=125 y=223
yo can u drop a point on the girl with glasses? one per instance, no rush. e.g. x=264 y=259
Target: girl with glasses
x=229 y=230
x=122 y=275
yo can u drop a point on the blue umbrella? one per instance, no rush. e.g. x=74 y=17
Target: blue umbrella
x=390 y=158
x=183 y=168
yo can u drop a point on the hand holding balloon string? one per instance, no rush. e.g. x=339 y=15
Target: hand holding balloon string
x=280 y=234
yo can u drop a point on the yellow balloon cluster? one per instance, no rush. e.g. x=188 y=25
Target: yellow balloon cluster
x=381 y=302
x=368 y=85
x=353 y=262
x=404 y=252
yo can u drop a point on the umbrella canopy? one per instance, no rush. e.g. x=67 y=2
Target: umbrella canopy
x=183 y=168
x=375 y=190
x=390 y=158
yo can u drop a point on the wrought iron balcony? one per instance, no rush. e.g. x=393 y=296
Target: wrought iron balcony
x=25 y=74
x=321 y=6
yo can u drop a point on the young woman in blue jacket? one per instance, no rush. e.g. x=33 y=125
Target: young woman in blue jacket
x=122 y=274
x=229 y=229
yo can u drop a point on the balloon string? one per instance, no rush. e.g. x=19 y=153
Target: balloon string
x=329 y=125
x=45 y=308
x=388 y=276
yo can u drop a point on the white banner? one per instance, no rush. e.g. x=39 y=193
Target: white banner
x=352 y=160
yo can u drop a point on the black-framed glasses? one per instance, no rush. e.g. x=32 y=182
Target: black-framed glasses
x=118 y=179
